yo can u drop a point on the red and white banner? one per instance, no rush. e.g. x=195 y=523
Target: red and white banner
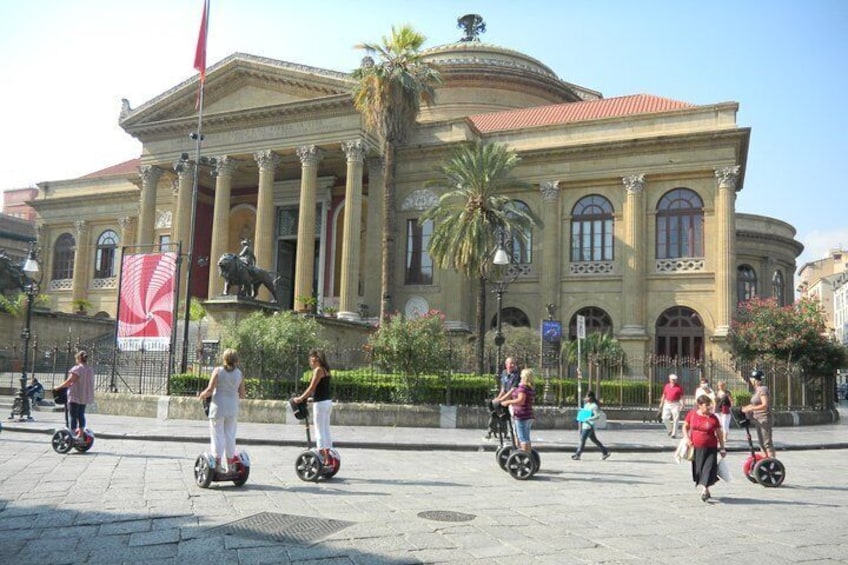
x=146 y=311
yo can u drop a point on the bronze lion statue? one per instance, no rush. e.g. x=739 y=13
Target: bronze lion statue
x=248 y=278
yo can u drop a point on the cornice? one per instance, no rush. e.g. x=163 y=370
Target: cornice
x=759 y=236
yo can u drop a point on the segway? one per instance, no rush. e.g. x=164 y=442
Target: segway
x=767 y=471
x=208 y=471
x=310 y=465
x=515 y=461
x=65 y=440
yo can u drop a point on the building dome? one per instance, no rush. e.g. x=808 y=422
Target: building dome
x=480 y=78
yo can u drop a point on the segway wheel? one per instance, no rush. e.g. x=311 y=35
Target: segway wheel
x=243 y=474
x=308 y=466
x=203 y=472
x=769 y=472
x=521 y=465
x=62 y=441
x=502 y=454
x=537 y=459
x=748 y=467
x=87 y=443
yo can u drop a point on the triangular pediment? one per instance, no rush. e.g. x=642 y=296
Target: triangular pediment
x=238 y=83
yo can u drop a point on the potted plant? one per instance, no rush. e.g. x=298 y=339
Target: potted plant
x=81 y=306
x=309 y=303
x=330 y=311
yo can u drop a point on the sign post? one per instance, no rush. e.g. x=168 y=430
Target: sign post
x=581 y=335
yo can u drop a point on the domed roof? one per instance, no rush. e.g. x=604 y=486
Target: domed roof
x=467 y=58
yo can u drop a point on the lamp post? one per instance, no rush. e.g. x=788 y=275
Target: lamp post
x=30 y=288
x=501 y=259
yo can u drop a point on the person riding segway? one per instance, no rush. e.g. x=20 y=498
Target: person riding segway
x=763 y=468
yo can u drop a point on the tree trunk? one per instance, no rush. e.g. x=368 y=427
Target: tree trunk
x=481 y=326
x=387 y=275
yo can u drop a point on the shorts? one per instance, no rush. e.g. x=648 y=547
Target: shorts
x=522 y=430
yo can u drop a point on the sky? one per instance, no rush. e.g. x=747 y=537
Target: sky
x=67 y=64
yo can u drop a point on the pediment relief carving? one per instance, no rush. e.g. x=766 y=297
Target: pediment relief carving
x=239 y=82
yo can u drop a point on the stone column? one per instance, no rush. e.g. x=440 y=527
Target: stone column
x=725 y=271
x=304 y=266
x=263 y=239
x=79 y=285
x=373 y=235
x=147 y=205
x=633 y=258
x=125 y=223
x=551 y=247
x=182 y=215
x=349 y=289
x=224 y=169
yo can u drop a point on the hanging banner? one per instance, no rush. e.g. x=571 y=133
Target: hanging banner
x=146 y=309
x=551 y=343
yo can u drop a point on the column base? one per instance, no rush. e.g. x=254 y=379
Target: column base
x=633 y=331
x=349 y=316
x=721 y=332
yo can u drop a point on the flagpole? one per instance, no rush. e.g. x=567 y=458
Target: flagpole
x=200 y=60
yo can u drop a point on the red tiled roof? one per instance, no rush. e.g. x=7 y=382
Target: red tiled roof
x=575 y=112
x=130 y=166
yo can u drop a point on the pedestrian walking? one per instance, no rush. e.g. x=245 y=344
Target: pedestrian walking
x=80 y=385
x=724 y=401
x=322 y=403
x=225 y=389
x=702 y=431
x=671 y=404
x=588 y=418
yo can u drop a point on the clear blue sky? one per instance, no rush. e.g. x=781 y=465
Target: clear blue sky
x=66 y=64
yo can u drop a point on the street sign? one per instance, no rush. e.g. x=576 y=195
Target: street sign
x=551 y=343
x=581 y=327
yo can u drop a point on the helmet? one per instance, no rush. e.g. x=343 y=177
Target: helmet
x=757 y=375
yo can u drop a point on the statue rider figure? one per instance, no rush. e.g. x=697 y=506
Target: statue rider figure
x=246 y=254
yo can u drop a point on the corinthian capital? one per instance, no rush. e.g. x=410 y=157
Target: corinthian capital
x=550 y=190
x=634 y=183
x=310 y=154
x=267 y=160
x=150 y=174
x=184 y=169
x=225 y=166
x=727 y=176
x=355 y=150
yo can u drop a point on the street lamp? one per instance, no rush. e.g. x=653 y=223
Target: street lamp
x=501 y=259
x=30 y=288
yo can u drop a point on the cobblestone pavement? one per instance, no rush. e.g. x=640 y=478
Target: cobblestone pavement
x=132 y=500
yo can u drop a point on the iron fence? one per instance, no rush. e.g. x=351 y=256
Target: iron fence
x=625 y=383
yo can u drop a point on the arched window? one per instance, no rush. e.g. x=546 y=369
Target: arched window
x=746 y=283
x=104 y=260
x=419 y=264
x=514 y=317
x=680 y=225
x=592 y=229
x=521 y=244
x=680 y=333
x=63 y=257
x=779 y=288
x=597 y=321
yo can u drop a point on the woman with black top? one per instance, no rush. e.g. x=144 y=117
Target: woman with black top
x=319 y=390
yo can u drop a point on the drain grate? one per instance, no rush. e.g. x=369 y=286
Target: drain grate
x=282 y=528
x=446 y=516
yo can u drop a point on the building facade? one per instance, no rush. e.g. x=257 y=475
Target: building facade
x=637 y=194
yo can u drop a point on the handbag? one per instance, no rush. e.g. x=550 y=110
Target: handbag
x=60 y=396
x=601 y=422
x=723 y=470
x=684 y=451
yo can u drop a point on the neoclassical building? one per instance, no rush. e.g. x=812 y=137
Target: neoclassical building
x=637 y=194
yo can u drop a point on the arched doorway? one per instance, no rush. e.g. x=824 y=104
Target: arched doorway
x=680 y=334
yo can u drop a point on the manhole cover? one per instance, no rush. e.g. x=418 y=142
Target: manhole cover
x=283 y=528
x=446 y=516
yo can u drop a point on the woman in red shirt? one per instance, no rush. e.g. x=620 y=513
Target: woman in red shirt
x=703 y=431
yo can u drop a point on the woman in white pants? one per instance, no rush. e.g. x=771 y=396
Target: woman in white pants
x=226 y=387
x=322 y=404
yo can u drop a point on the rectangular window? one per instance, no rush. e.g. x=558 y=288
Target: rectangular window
x=419 y=265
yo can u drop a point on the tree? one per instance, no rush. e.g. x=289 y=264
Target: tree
x=473 y=218
x=796 y=333
x=388 y=94
x=600 y=346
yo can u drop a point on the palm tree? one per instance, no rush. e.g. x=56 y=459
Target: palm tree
x=474 y=218
x=388 y=94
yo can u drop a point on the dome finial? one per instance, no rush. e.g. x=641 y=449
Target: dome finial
x=473 y=25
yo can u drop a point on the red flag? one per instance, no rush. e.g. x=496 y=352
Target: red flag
x=200 y=52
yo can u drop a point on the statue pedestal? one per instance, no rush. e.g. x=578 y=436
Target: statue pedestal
x=223 y=310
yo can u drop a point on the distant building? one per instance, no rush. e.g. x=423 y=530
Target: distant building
x=16 y=203
x=637 y=194
x=840 y=307
x=821 y=279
